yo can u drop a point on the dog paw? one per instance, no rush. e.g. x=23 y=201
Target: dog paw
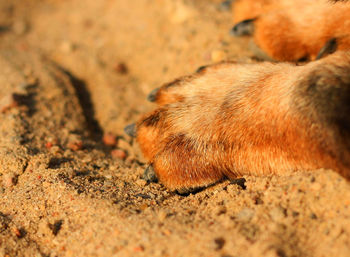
x=293 y=30
x=229 y=119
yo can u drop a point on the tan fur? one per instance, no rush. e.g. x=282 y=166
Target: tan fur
x=237 y=119
x=230 y=119
x=290 y=30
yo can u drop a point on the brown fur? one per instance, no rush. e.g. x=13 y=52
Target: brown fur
x=290 y=30
x=259 y=119
x=232 y=119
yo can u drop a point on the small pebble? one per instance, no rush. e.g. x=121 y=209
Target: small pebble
x=110 y=139
x=119 y=154
x=313 y=216
x=245 y=215
x=167 y=232
x=219 y=243
x=278 y=213
x=48 y=145
x=139 y=249
x=87 y=159
x=162 y=215
x=141 y=182
x=9 y=180
x=55 y=149
x=108 y=176
x=67 y=47
x=56 y=227
x=19 y=232
x=75 y=146
x=220 y=210
x=121 y=68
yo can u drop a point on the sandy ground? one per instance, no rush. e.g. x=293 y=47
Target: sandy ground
x=73 y=73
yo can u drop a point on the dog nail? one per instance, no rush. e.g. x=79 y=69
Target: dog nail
x=243 y=28
x=152 y=97
x=131 y=130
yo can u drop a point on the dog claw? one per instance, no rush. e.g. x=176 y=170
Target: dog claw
x=226 y=5
x=243 y=28
x=152 y=97
x=130 y=130
x=329 y=48
x=150 y=175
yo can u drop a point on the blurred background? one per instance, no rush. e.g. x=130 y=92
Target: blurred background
x=122 y=49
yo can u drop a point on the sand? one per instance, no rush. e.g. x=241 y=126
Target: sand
x=73 y=73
